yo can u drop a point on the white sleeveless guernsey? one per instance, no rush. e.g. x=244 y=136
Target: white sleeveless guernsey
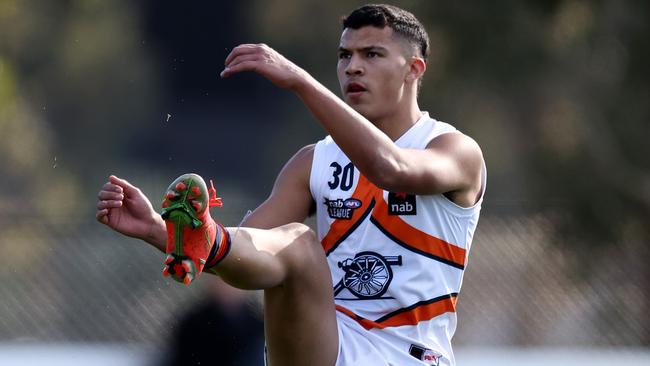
x=396 y=259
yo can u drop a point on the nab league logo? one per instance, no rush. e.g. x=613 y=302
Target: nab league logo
x=342 y=209
x=401 y=204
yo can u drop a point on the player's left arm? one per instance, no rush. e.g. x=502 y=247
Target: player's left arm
x=450 y=164
x=366 y=145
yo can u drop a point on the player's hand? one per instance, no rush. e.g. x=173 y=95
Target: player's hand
x=265 y=61
x=125 y=209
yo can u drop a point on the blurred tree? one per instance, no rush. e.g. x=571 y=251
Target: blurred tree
x=74 y=81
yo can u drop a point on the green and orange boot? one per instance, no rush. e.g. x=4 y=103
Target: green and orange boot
x=194 y=240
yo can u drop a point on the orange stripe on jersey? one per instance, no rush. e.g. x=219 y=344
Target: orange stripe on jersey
x=421 y=311
x=412 y=315
x=368 y=324
x=340 y=229
x=413 y=239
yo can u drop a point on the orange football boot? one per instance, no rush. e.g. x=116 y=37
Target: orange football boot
x=194 y=240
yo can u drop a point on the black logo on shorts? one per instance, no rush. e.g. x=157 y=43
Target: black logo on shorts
x=429 y=356
x=342 y=209
x=401 y=204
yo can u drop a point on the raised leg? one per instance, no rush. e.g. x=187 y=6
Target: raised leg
x=290 y=266
x=286 y=262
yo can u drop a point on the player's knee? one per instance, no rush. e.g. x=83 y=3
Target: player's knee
x=305 y=251
x=298 y=231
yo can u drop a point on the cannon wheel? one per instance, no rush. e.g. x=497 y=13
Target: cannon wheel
x=368 y=276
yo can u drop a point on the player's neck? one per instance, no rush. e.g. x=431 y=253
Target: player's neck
x=396 y=124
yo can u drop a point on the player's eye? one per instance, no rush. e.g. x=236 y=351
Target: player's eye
x=372 y=54
x=344 y=55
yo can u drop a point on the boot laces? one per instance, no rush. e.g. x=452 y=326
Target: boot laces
x=214 y=200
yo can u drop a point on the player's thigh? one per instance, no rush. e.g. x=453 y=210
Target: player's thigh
x=299 y=315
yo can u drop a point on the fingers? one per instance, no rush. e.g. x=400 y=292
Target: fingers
x=246 y=57
x=239 y=67
x=101 y=205
x=243 y=50
x=110 y=195
x=239 y=63
x=102 y=216
x=110 y=187
x=129 y=189
x=103 y=210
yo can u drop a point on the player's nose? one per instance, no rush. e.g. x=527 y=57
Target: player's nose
x=354 y=66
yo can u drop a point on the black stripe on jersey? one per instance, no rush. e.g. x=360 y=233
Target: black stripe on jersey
x=353 y=227
x=417 y=304
x=357 y=299
x=415 y=250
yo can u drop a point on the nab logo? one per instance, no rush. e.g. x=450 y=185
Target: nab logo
x=342 y=209
x=401 y=204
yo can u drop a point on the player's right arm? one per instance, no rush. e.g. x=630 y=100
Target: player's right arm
x=290 y=200
x=256 y=258
x=124 y=208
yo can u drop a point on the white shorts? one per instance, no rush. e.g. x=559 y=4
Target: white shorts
x=360 y=347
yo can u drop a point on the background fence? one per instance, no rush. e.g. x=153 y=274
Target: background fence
x=80 y=282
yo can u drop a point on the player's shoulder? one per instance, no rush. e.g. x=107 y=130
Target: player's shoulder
x=454 y=139
x=305 y=152
x=298 y=168
x=303 y=157
x=459 y=145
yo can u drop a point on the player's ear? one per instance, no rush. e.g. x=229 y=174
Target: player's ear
x=417 y=67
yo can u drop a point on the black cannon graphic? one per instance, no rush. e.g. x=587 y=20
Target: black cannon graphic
x=368 y=275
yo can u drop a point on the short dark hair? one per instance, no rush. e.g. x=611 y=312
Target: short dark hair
x=399 y=20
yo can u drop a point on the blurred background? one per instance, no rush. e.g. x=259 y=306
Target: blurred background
x=552 y=90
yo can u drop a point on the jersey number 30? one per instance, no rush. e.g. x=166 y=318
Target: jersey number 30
x=342 y=176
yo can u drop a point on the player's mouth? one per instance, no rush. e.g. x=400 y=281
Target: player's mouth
x=355 y=89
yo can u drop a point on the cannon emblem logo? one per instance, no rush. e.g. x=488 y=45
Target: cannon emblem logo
x=367 y=275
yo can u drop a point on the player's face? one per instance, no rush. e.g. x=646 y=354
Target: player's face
x=372 y=68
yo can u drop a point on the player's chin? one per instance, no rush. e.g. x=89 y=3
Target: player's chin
x=358 y=104
x=365 y=111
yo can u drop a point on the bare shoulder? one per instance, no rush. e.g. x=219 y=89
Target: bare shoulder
x=290 y=200
x=459 y=147
x=301 y=160
x=465 y=158
x=305 y=153
x=298 y=169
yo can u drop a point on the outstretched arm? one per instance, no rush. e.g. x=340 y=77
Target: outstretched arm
x=362 y=142
x=450 y=164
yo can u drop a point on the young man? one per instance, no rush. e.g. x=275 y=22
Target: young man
x=397 y=198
